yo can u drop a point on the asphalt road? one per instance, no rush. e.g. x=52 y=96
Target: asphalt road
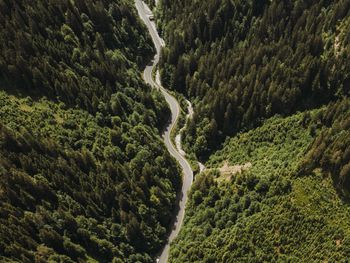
x=145 y=13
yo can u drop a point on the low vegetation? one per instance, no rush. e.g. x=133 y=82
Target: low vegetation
x=271 y=212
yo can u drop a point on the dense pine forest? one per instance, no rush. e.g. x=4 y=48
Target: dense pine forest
x=269 y=81
x=244 y=61
x=84 y=175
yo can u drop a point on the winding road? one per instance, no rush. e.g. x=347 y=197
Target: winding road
x=145 y=13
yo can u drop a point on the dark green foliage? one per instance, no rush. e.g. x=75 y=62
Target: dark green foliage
x=84 y=175
x=79 y=190
x=331 y=149
x=80 y=53
x=243 y=61
x=150 y=3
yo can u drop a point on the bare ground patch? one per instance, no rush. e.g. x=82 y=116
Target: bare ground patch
x=227 y=171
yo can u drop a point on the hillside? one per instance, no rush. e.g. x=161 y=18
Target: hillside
x=270 y=83
x=84 y=175
x=244 y=61
x=253 y=204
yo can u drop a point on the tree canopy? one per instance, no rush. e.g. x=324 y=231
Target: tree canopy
x=84 y=175
x=244 y=61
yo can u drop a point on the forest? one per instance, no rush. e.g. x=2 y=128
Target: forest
x=258 y=202
x=84 y=175
x=270 y=84
x=244 y=61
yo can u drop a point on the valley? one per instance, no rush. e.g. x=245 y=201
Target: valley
x=174 y=131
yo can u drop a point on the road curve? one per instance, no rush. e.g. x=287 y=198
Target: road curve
x=145 y=13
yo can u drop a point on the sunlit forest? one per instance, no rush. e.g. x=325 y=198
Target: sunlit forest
x=84 y=175
x=258 y=202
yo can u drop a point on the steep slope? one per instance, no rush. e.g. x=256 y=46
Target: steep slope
x=243 y=61
x=278 y=188
x=331 y=149
x=80 y=53
x=84 y=175
x=254 y=204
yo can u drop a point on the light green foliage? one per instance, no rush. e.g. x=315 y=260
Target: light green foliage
x=276 y=147
x=267 y=213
